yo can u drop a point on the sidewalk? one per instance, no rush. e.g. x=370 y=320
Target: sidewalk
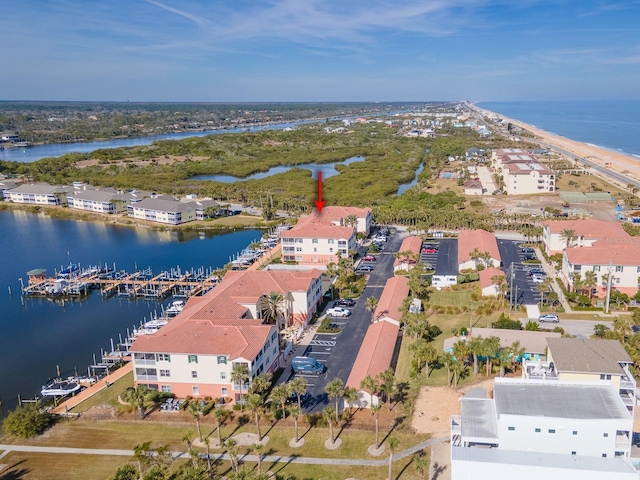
x=554 y=285
x=298 y=349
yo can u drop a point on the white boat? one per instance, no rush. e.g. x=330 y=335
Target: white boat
x=59 y=387
x=175 y=308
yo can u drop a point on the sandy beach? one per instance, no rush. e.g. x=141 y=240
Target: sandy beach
x=626 y=165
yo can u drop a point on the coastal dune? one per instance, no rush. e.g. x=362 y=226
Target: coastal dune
x=618 y=162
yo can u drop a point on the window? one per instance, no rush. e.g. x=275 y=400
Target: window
x=575 y=432
x=165 y=388
x=223 y=375
x=604 y=376
x=552 y=430
x=637 y=269
x=573 y=452
x=538 y=430
x=577 y=268
x=298 y=240
x=222 y=359
x=315 y=249
x=195 y=390
x=604 y=455
x=330 y=242
x=618 y=268
x=596 y=268
x=605 y=435
x=298 y=249
x=194 y=374
x=193 y=359
x=314 y=240
x=225 y=391
x=298 y=258
x=165 y=373
x=164 y=357
x=331 y=250
x=512 y=429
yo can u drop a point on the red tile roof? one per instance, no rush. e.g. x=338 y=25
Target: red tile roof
x=375 y=353
x=486 y=275
x=590 y=229
x=395 y=291
x=473 y=184
x=484 y=241
x=336 y=212
x=312 y=226
x=622 y=254
x=409 y=244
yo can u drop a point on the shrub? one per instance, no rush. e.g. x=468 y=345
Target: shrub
x=27 y=421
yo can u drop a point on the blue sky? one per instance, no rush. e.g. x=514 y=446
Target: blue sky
x=319 y=50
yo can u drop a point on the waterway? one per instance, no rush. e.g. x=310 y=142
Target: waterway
x=406 y=186
x=38 y=334
x=31 y=154
x=327 y=169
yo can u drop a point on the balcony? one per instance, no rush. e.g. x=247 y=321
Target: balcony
x=147 y=378
x=540 y=370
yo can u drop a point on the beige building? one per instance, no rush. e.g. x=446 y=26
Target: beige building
x=488 y=287
x=102 y=201
x=171 y=212
x=38 y=194
x=484 y=242
x=338 y=215
x=522 y=173
x=587 y=232
x=411 y=245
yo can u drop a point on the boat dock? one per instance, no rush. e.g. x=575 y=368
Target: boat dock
x=111 y=282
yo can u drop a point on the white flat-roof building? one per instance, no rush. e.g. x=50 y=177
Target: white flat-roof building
x=38 y=194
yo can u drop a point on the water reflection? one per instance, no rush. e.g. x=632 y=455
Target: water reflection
x=327 y=169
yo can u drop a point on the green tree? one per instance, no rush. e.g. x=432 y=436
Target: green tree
x=491 y=345
x=369 y=384
x=568 y=235
x=279 y=394
x=475 y=348
x=196 y=409
x=138 y=397
x=26 y=421
x=393 y=443
x=600 y=330
x=335 y=389
x=231 y=447
x=446 y=359
x=350 y=395
x=219 y=414
x=295 y=412
x=375 y=411
x=331 y=416
x=254 y=404
x=517 y=351
x=272 y=308
x=261 y=383
x=590 y=281
x=125 y=472
x=421 y=464
x=371 y=304
x=258 y=448
x=240 y=376
x=299 y=387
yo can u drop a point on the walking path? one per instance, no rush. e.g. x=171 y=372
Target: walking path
x=554 y=285
x=223 y=456
x=105 y=382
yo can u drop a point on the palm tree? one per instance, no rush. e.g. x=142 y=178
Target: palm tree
x=446 y=359
x=371 y=304
x=475 y=348
x=369 y=384
x=350 y=395
x=258 y=448
x=196 y=409
x=239 y=376
x=458 y=368
x=330 y=416
x=231 y=447
x=272 y=307
x=491 y=345
x=254 y=403
x=423 y=352
x=351 y=221
x=578 y=283
x=375 y=411
x=590 y=281
x=393 y=443
x=261 y=383
x=503 y=355
x=295 y=413
x=299 y=387
x=335 y=389
x=280 y=393
x=421 y=465
x=568 y=235
x=516 y=353
x=219 y=414
x=138 y=397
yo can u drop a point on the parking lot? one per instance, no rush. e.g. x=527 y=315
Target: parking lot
x=524 y=289
x=338 y=351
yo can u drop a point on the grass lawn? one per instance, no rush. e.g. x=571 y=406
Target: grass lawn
x=62 y=467
x=106 y=396
x=244 y=220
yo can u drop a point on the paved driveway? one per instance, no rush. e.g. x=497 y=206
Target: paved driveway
x=524 y=290
x=486 y=178
x=338 y=351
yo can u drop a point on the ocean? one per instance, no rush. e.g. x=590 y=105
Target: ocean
x=610 y=124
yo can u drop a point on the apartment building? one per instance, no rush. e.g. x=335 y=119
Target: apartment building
x=521 y=172
x=586 y=233
x=38 y=194
x=557 y=429
x=315 y=241
x=102 y=201
x=340 y=216
x=171 y=212
x=411 y=246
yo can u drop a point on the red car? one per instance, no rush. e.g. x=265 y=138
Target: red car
x=369 y=258
x=429 y=250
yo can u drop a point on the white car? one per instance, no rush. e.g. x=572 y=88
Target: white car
x=338 y=312
x=549 y=317
x=537 y=279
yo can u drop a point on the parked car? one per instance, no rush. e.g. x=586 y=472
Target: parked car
x=549 y=317
x=380 y=238
x=429 y=250
x=528 y=250
x=530 y=256
x=369 y=258
x=308 y=365
x=304 y=398
x=536 y=271
x=344 y=302
x=364 y=269
x=338 y=312
x=537 y=279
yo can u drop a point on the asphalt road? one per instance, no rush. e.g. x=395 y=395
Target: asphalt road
x=579 y=328
x=339 y=351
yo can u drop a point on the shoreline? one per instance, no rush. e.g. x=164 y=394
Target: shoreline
x=608 y=160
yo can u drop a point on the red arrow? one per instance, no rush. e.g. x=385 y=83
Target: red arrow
x=320 y=203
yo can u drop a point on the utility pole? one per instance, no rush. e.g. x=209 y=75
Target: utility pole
x=511 y=276
x=606 y=305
